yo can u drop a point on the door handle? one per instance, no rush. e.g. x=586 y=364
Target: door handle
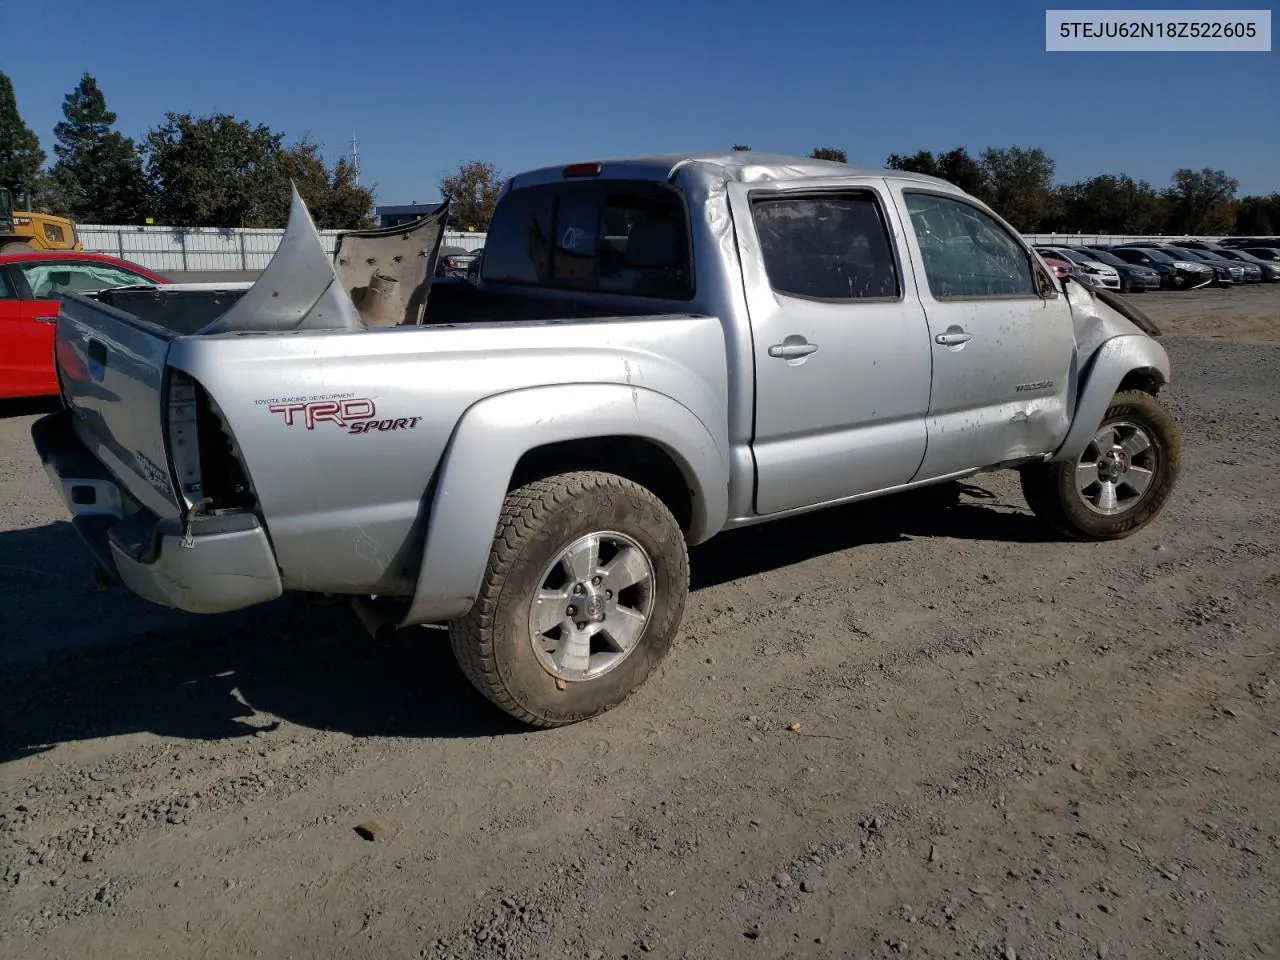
x=793 y=348
x=53 y=319
x=953 y=338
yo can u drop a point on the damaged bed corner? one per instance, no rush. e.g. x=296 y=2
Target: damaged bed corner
x=375 y=278
x=387 y=271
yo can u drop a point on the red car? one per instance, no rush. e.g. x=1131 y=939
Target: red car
x=1060 y=268
x=30 y=283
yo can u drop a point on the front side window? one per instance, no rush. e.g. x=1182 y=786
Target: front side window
x=966 y=253
x=829 y=247
x=54 y=279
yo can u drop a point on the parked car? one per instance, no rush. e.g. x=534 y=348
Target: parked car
x=1223 y=275
x=1252 y=273
x=1269 y=270
x=1134 y=278
x=1269 y=254
x=536 y=480
x=1088 y=268
x=1175 y=274
x=1250 y=242
x=453 y=262
x=1061 y=268
x=1239 y=272
x=31 y=283
x=473 y=268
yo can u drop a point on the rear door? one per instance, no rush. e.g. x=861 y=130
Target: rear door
x=1002 y=352
x=840 y=341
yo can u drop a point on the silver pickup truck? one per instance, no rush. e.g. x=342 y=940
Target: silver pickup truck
x=658 y=350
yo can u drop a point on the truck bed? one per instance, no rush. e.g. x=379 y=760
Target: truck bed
x=456 y=303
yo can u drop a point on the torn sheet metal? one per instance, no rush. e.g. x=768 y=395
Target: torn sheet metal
x=287 y=292
x=387 y=271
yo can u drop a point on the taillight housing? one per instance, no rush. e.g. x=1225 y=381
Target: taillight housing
x=204 y=458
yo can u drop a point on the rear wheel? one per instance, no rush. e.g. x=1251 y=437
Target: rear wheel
x=1120 y=482
x=583 y=595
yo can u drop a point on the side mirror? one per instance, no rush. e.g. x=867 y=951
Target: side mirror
x=1045 y=284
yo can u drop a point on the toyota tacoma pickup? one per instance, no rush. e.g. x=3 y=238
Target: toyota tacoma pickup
x=657 y=350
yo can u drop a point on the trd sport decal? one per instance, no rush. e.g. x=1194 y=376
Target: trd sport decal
x=358 y=415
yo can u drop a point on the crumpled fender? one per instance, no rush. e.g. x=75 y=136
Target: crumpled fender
x=492 y=436
x=1114 y=360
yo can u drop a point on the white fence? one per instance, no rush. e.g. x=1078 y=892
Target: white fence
x=210 y=248
x=232 y=248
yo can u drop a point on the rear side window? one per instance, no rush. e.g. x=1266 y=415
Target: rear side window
x=606 y=237
x=6 y=287
x=830 y=247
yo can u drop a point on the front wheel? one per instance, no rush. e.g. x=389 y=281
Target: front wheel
x=583 y=595
x=1120 y=482
x=17 y=246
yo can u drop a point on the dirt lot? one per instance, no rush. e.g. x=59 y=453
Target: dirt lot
x=1007 y=746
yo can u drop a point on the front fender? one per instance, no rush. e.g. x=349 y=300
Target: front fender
x=1112 y=362
x=495 y=433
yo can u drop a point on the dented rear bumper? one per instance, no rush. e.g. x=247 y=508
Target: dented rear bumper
x=215 y=564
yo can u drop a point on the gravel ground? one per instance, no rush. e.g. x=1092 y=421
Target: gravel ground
x=920 y=731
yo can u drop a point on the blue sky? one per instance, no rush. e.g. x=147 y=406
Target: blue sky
x=426 y=85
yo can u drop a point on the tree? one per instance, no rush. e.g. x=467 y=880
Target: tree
x=957 y=167
x=98 y=174
x=216 y=171
x=1258 y=216
x=474 y=191
x=1108 y=204
x=1200 y=202
x=954 y=166
x=829 y=153
x=922 y=161
x=1018 y=184
x=21 y=155
x=740 y=147
x=332 y=195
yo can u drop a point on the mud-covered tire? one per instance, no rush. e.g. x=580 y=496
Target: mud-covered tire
x=494 y=644
x=16 y=246
x=1055 y=491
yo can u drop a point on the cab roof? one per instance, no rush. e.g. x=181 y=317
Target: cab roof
x=742 y=166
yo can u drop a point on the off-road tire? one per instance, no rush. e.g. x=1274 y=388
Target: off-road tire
x=1050 y=488
x=492 y=643
x=17 y=246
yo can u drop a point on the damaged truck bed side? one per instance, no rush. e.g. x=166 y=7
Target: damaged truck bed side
x=659 y=349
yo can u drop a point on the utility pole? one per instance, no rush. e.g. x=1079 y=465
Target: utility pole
x=355 y=158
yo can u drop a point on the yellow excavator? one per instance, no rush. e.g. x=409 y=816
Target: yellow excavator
x=22 y=230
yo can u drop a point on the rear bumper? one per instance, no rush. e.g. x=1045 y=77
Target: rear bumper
x=226 y=563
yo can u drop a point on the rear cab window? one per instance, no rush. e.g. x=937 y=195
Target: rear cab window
x=615 y=237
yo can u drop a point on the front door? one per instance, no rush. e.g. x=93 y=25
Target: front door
x=840 y=342
x=26 y=342
x=1002 y=351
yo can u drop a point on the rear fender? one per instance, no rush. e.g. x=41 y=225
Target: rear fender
x=495 y=433
x=1115 y=360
